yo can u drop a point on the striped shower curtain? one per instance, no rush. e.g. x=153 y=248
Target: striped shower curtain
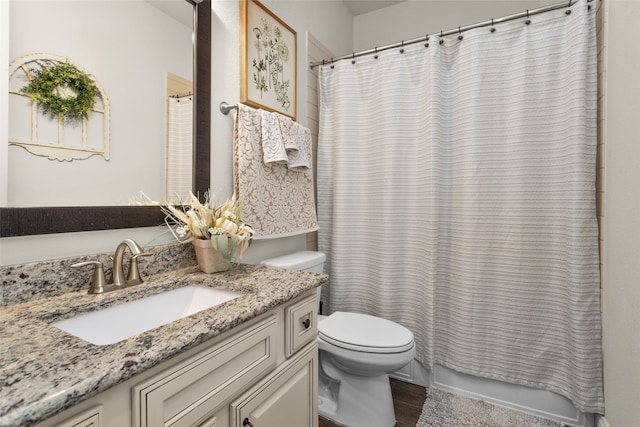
x=179 y=148
x=456 y=196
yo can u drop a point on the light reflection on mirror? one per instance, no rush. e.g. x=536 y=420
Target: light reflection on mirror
x=130 y=47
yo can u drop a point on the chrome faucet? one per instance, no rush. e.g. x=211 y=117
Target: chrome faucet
x=99 y=284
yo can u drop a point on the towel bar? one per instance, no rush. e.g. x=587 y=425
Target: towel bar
x=226 y=108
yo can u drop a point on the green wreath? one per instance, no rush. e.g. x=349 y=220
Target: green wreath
x=48 y=83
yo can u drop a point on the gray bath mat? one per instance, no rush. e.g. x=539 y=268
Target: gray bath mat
x=443 y=409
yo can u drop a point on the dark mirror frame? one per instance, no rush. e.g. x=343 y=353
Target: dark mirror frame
x=67 y=219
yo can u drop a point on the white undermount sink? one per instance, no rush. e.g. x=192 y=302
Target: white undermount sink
x=123 y=321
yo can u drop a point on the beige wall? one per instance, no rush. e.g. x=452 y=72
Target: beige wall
x=621 y=256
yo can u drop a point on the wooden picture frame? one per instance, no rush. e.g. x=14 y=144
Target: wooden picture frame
x=268 y=60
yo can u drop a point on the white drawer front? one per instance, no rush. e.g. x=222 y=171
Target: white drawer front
x=301 y=323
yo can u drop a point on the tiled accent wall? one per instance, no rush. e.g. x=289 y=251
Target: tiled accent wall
x=316 y=52
x=601 y=31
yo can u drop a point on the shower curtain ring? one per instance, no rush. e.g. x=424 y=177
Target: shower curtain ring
x=376 y=55
x=353 y=58
x=332 y=66
x=426 y=39
x=528 y=21
x=493 y=30
x=441 y=39
x=459 y=34
x=568 y=11
x=402 y=47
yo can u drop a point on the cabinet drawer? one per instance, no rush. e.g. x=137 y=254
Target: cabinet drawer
x=301 y=325
x=186 y=393
x=286 y=397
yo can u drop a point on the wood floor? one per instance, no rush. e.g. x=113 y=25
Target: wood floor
x=408 y=400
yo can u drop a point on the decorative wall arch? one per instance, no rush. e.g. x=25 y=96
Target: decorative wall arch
x=21 y=72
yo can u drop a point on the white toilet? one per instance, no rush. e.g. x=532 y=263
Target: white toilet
x=357 y=352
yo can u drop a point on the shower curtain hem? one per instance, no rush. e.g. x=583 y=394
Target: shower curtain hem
x=597 y=409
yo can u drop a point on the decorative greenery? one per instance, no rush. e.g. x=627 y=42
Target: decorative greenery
x=269 y=70
x=221 y=225
x=50 y=87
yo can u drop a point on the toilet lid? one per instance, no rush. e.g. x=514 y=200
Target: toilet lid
x=361 y=332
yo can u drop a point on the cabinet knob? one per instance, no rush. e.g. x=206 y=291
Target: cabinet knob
x=246 y=422
x=306 y=323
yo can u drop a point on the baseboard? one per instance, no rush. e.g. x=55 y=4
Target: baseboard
x=413 y=373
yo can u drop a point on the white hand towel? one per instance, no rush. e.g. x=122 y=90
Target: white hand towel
x=301 y=159
x=288 y=134
x=273 y=150
x=297 y=143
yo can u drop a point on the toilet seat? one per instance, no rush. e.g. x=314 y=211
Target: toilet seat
x=364 y=333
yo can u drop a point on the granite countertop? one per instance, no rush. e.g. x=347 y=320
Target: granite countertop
x=44 y=370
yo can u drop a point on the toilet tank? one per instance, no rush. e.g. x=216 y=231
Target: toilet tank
x=310 y=261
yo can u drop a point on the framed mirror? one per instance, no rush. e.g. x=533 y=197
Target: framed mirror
x=22 y=221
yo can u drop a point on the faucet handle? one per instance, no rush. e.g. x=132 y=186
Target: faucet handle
x=98 y=282
x=133 y=277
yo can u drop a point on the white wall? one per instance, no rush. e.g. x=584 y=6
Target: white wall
x=329 y=21
x=622 y=216
x=128 y=47
x=416 y=18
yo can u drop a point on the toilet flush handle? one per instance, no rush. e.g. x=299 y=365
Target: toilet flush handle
x=246 y=422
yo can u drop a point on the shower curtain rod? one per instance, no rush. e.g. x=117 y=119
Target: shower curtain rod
x=181 y=95
x=458 y=31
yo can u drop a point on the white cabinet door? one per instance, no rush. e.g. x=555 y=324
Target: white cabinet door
x=287 y=397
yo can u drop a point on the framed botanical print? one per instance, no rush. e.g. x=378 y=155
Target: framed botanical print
x=268 y=60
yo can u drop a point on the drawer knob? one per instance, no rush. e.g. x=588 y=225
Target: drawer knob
x=306 y=323
x=246 y=422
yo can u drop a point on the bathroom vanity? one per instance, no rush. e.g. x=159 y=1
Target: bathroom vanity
x=250 y=361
